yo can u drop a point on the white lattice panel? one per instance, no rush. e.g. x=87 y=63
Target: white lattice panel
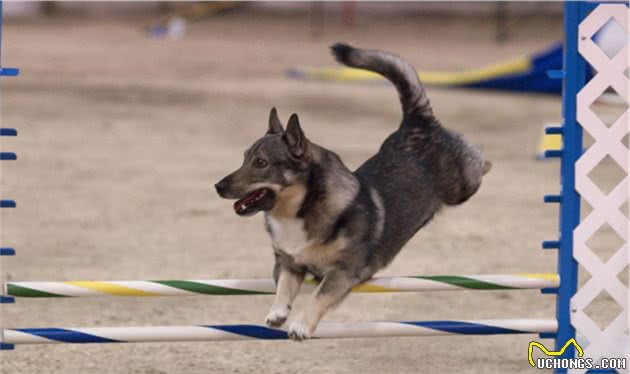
x=613 y=340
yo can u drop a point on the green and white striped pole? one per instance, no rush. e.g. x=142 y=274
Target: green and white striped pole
x=267 y=286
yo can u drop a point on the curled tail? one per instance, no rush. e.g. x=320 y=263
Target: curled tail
x=412 y=94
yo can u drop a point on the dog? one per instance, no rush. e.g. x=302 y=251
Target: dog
x=342 y=226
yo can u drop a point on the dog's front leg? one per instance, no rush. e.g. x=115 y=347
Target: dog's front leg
x=289 y=283
x=331 y=291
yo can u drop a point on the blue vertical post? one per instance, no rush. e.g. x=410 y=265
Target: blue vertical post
x=6 y=132
x=6 y=156
x=574 y=80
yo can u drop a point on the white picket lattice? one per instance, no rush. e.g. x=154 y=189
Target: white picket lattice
x=612 y=341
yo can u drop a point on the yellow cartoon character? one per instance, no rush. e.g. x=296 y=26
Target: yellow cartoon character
x=533 y=344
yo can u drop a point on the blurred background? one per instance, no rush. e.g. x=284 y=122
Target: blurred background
x=128 y=113
x=502 y=15
x=99 y=8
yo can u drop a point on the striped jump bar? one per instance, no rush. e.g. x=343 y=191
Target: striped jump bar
x=267 y=286
x=326 y=330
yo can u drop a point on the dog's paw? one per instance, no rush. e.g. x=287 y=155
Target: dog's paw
x=277 y=315
x=299 y=331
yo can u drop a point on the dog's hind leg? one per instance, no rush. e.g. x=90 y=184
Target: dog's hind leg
x=288 y=286
x=332 y=290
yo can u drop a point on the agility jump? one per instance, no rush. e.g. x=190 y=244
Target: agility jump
x=326 y=330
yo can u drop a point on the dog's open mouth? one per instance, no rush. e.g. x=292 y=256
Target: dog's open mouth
x=255 y=201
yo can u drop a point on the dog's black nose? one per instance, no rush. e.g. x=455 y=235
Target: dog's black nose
x=221 y=186
x=218 y=187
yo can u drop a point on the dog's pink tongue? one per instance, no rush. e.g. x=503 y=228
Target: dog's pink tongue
x=244 y=202
x=240 y=204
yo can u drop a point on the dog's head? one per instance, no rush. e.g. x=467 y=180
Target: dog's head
x=278 y=160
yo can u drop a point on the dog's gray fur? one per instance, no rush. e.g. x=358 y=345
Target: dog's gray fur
x=343 y=226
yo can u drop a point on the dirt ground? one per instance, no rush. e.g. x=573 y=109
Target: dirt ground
x=122 y=136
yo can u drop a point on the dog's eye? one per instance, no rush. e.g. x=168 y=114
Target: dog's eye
x=260 y=163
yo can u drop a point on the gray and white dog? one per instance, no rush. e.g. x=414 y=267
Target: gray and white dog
x=343 y=226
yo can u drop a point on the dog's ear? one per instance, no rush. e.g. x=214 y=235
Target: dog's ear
x=294 y=137
x=275 y=126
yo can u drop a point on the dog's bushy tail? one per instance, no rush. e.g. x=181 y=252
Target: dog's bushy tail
x=412 y=94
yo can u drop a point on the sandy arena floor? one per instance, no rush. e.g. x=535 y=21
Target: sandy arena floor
x=122 y=137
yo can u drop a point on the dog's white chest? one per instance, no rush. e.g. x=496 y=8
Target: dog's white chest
x=288 y=234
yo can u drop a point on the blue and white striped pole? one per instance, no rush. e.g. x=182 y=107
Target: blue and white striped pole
x=326 y=330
